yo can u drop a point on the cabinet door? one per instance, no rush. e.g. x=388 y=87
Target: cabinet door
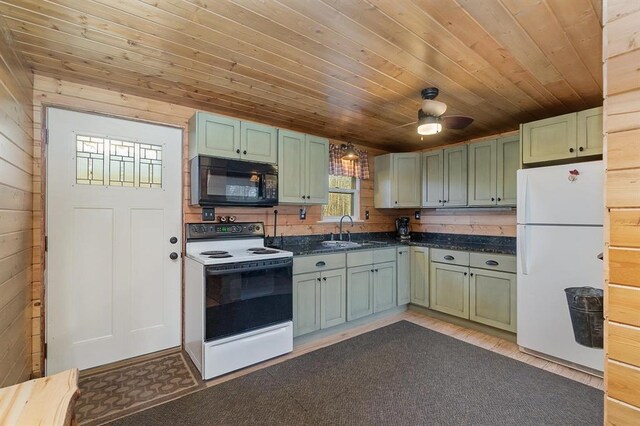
x=218 y=136
x=291 y=167
x=590 y=132
x=482 y=174
x=306 y=303
x=406 y=180
x=258 y=142
x=403 y=270
x=432 y=178
x=455 y=176
x=420 y=276
x=549 y=139
x=359 y=292
x=449 y=291
x=333 y=298
x=507 y=167
x=317 y=168
x=493 y=298
x=385 y=286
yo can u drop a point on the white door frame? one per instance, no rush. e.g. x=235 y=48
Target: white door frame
x=178 y=232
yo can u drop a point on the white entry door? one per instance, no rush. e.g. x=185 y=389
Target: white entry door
x=113 y=224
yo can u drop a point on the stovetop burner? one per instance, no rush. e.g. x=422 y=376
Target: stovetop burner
x=256 y=249
x=220 y=256
x=214 y=253
x=265 y=251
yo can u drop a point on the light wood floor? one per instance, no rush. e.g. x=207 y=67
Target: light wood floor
x=473 y=337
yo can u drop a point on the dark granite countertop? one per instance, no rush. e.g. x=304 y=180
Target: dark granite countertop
x=308 y=245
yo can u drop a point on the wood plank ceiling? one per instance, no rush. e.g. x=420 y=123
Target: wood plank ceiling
x=346 y=69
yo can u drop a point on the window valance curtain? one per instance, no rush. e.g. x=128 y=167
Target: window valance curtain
x=354 y=168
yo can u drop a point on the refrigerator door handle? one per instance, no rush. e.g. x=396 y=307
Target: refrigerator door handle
x=523 y=187
x=522 y=249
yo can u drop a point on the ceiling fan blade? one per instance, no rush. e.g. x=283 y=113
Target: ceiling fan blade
x=456 y=122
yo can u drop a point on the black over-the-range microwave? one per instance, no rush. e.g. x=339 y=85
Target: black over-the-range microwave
x=225 y=182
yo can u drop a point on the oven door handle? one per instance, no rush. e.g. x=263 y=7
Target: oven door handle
x=209 y=270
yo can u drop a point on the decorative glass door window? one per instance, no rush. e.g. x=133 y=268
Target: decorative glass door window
x=112 y=162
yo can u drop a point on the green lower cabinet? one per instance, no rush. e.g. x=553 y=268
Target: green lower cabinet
x=359 y=292
x=403 y=271
x=306 y=303
x=385 y=287
x=333 y=298
x=420 y=276
x=493 y=298
x=449 y=289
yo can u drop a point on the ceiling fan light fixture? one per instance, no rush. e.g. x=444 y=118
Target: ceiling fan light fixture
x=429 y=125
x=349 y=152
x=435 y=108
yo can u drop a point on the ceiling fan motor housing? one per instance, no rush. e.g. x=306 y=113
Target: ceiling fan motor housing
x=429 y=93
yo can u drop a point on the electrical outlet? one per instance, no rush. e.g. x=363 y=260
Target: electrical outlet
x=208 y=214
x=366 y=214
x=417 y=215
x=303 y=214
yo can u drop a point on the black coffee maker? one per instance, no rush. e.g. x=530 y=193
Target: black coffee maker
x=402 y=228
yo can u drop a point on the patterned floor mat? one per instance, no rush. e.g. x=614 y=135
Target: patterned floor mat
x=130 y=386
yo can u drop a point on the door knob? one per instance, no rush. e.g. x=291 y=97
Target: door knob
x=173 y=256
x=173 y=240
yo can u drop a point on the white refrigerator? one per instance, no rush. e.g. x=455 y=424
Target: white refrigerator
x=560 y=216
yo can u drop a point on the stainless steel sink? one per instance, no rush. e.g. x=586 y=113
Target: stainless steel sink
x=341 y=244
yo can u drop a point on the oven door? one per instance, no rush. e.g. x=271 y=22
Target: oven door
x=247 y=296
x=224 y=182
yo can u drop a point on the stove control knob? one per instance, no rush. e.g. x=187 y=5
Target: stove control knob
x=257 y=227
x=250 y=228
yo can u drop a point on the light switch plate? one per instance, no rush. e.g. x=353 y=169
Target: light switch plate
x=303 y=214
x=208 y=214
x=366 y=214
x=417 y=215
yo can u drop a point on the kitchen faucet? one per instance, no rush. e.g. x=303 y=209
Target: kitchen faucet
x=341 y=219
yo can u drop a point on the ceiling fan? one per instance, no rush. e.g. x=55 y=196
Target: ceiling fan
x=430 y=118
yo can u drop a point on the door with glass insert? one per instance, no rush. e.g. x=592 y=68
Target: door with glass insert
x=113 y=266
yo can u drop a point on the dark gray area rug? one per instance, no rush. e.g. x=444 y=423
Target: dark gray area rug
x=402 y=374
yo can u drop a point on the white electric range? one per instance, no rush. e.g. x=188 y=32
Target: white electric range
x=238 y=297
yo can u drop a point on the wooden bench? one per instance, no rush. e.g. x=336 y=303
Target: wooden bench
x=46 y=401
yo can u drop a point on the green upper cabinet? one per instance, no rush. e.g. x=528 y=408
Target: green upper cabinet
x=214 y=135
x=590 y=136
x=564 y=137
x=227 y=137
x=455 y=176
x=397 y=180
x=492 y=172
x=482 y=173
x=303 y=168
x=258 y=142
x=508 y=163
x=432 y=178
x=444 y=177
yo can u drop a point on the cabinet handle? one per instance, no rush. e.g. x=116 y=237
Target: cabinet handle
x=491 y=263
x=303 y=197
x=324 y=279
x=439 y=201
x=470 y=274
x=372 y=270
x=571 y=150
x=321 y=263
x=318 y=279
x=244 y=152
x=237 y=151
x=376 y=270
x=581 y=149
x=449 y=257
x=444 y=201
x=493 y=199
x=465 y=274
x=499 y=199
x=308 y=196
x=396 y=202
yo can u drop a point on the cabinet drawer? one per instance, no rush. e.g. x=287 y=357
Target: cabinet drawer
x=452 y=257
x=359 y=258
x=497 y=262
x=318 y=263
x=384 y=255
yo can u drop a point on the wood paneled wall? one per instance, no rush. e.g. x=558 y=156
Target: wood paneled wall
x=459 y=221
x=54 y=92
x=622 y=226
x=16 y=200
